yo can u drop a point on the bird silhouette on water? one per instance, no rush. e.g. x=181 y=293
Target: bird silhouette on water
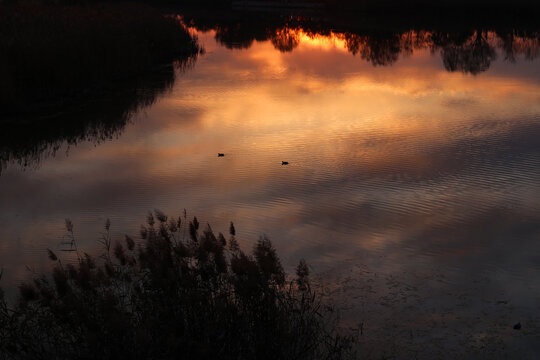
x=282 y=163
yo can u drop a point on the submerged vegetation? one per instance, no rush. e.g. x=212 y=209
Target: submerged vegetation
x=179 y=292
x=51 y=55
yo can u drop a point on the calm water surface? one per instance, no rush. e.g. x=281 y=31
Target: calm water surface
x=409 y=176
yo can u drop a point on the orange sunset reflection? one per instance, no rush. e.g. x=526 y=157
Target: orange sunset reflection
x=394 y=150
x=381 y=158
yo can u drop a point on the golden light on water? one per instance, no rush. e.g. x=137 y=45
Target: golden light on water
x=372 y=150
x=294 y=99
x=373 y=155
x=326 y=42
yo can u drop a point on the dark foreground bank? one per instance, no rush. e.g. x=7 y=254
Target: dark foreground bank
x=54 y=55
x=182 y=292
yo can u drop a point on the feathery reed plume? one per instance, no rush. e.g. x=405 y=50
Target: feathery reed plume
x=150 y=219
x=52 y=255
x=193 y=230
x=160 y=216
x=232 y=230
x=302 y=273
x=130 y=243
x=69 y=225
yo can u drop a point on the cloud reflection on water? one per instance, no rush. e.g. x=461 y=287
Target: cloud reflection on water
x=407 y=167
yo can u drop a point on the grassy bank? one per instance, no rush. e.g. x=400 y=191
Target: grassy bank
x=51 y=55
x=181 y=292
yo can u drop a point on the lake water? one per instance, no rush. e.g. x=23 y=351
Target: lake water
x=412 y=187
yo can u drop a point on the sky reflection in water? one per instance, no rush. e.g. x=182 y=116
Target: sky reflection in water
x=406 y=169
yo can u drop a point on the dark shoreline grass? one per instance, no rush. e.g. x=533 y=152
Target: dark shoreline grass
x=181 y=292
x=53 y=55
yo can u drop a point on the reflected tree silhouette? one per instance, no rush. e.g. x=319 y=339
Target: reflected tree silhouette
x=474 y=56
x=78 y=73
x=514 y=45
x=285 y=40
x=507 y=45
x=461 y=48
x=378 y=50
x=234 y=37
x=235 y=34
x=103 y=117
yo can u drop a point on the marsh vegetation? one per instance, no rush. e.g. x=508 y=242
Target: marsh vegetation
x=181 y=291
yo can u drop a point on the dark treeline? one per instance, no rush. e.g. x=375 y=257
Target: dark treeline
x=398 y=8
x=469 y=48
x=72 y=72
x=102 y=115
x=429 y=6
x=181 y=291
x=55 y=54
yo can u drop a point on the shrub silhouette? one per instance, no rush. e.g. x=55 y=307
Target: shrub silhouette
x=170 y=296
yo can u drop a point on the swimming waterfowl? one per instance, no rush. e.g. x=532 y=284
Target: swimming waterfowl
x=220 y=155
x=284 y=163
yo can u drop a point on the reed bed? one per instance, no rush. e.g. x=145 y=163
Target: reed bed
x=178 y=292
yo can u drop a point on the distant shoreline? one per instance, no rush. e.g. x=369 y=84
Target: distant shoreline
x=265 y=5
